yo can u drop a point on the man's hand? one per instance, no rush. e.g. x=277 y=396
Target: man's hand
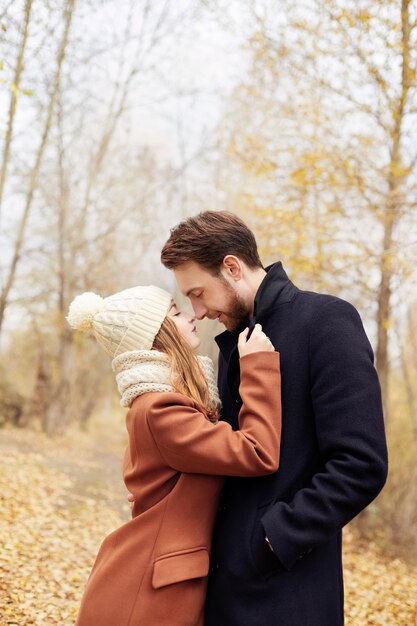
x=131 y=500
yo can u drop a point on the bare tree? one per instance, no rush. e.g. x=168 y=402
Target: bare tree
x=33 y=179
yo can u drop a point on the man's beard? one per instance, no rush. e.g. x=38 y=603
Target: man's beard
x=237 y=310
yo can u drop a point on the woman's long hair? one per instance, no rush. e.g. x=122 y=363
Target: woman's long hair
x=186 y=374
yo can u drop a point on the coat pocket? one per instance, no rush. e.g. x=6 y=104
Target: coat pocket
x=179 y=566
x=264 y=560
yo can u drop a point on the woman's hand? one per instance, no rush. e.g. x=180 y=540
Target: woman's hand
x=257 y=342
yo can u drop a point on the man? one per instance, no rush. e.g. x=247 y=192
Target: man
x=277 y=542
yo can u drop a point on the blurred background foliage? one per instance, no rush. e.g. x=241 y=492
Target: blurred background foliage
x=119 y=118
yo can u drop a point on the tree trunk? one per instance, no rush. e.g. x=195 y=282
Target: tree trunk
x=57 y=414
x=383 y=313
x=393 y=207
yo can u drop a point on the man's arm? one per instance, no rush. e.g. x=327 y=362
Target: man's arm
x=346 y=399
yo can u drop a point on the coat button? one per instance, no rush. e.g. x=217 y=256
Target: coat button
x=303 y=554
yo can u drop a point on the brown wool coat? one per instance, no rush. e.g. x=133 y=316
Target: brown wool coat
x=153 y=570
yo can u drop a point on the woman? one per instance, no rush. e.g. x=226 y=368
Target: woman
x=153 y=570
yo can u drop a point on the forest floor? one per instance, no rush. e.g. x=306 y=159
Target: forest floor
x=59 y=498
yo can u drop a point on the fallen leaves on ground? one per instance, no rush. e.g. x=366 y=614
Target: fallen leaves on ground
x=49 y=538
x=50 y=535
x=378 y=591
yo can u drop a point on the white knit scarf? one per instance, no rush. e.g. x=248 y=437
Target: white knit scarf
x=141 y=371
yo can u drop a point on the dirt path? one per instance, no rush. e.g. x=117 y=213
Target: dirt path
x=95 y=471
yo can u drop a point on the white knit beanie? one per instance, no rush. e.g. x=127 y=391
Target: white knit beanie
x=128 y=320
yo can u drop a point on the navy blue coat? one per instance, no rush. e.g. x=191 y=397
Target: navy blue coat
x=333 y=464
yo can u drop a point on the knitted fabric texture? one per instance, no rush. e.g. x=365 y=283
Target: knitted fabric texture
x=141 y=371
x=131 y=319
x=128 y=320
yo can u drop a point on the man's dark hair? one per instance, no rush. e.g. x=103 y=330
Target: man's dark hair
x=207 y=238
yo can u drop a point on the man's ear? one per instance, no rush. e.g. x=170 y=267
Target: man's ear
x=232 y=267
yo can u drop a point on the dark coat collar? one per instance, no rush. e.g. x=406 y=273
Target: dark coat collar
x=275 y=289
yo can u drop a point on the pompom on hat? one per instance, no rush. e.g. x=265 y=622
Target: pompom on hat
x=128 y=320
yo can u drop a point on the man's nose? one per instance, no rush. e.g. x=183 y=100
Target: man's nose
x=200 y=310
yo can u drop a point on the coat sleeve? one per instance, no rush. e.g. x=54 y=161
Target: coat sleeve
x=188 y=442
x=346 y=400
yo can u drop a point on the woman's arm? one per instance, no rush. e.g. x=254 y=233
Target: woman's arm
x=188 y=442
